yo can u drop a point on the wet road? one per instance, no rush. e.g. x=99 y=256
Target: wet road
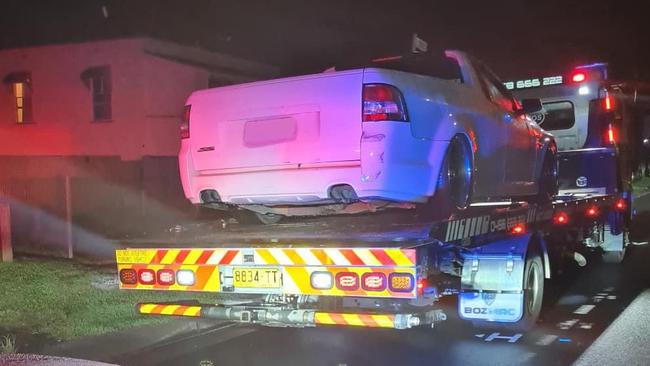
x=579 y=306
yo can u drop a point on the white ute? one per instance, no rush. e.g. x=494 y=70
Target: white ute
x=407 y=130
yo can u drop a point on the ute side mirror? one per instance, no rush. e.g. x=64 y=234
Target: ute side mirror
x=530 y=106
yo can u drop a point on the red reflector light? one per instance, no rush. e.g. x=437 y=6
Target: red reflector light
x=185 y=122
x=620 y=204
x=561 y=218
x=128 y=276
x=166 y=277
x=374 y=281
x=518 y=229
x=611 y=135
x=579 y=77
x=382 y=102
x=347 y=281
x=401 y=282
x=592 y=211
x=147 y=276
x=608 y=103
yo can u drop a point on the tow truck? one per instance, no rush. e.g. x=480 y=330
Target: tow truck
x=391 y=270
x=374 y=272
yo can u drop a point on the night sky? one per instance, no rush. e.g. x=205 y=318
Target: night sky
x=517 y=38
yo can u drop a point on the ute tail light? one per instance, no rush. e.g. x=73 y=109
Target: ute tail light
x=128 y=276
x=147 y=276
x=347 y=281
x=165 y=277
x=383 y=102
x=373 y=281
x=185 y=122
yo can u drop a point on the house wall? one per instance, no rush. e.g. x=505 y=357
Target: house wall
x=147 y=99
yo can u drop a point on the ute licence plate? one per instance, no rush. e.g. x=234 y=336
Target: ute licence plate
x=254 y=277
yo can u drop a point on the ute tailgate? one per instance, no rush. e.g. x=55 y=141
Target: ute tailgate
x=301 y=120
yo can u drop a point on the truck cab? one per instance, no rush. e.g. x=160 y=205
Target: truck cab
x=586 y=113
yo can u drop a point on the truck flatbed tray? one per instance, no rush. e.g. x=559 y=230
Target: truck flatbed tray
x=383 y=229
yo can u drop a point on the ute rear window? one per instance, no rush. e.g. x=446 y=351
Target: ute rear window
x=556 y=116
x=429 y=64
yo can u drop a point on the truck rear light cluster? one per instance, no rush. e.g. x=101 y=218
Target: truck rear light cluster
x=401 y=282
x=373 y=281
x=164 y=277
x=347 y=281
x=321 y=280
x=128 y=276
x=383 y=102
x=185 y=122
x=185 y=277
x=147 y=276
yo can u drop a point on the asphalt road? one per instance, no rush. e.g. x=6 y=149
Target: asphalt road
x=579 y=306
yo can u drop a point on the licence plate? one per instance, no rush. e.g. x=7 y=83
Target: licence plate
x=254 y=277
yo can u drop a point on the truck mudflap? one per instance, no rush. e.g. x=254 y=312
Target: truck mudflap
x=282 y=317
x=492 y=281
x=359 y=272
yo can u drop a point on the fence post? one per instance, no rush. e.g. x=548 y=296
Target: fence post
x=68 y=217
x=6 y=252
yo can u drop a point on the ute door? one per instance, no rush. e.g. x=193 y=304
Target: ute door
x=520 y=150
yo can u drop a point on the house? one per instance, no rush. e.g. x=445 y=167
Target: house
x=104 y=114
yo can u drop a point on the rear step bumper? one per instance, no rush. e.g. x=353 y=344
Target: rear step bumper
x=292 y=317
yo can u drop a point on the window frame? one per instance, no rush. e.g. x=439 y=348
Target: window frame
x=573 y=110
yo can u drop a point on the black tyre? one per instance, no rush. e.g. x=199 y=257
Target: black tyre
x=533 y=296
x=454 y=183
x=533 y=291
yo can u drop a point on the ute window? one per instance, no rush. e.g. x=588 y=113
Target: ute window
x=436 y=65
x=556 y=116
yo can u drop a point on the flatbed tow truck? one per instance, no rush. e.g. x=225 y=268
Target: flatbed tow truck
x=390 y=269
x=385 y=270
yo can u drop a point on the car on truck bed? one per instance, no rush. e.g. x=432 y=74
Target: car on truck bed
x=432 y=130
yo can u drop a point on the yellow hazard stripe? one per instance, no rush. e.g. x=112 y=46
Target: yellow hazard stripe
x=164 y=309
x=398 y=257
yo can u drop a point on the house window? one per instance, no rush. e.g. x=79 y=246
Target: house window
x=98 y=80
x=21 y=87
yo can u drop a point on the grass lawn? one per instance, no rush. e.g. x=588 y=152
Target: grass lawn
x=55 y=298
x=641 y=185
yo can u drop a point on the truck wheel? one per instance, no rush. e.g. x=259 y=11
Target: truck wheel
x=454 y=183
x=533 y=291
x=533 y=296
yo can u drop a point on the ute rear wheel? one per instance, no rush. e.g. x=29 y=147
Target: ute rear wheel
x=454 y=183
